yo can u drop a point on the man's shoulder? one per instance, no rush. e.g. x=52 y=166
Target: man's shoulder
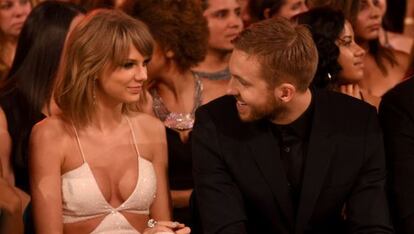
x=221 y=108
x=335 y=102
x=401 y=92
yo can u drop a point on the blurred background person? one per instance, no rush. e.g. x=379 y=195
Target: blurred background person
x=224 y=24
x=391 y=33
x=11 y=207
x=13 y=13
x=383 y=67
x=181 y=35
x=25 y=94
x=341 y=60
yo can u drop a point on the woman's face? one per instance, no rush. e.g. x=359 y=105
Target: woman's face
x=350 y=57
x=13 y=13
x=368 y=21
x=125 y=83
x=224 y=23
x=291 y=8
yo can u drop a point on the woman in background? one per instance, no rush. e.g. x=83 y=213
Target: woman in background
x=13 y=13
x=340 y=66
x=384 y=67
x=25 y=95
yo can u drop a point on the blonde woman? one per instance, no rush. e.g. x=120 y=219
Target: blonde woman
x=100 y=166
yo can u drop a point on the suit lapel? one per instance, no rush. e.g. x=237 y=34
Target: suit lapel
x=321 y=147
x=267 y=158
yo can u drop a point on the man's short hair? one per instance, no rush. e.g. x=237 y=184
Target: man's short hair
x=285 y=51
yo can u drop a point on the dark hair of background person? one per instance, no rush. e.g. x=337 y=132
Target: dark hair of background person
x=349 y=8
x=394 y=16
x=28 y=86
x=178 y=26
x=326 y=25
x=273 y=6
x=90 y=5
x=256 y=8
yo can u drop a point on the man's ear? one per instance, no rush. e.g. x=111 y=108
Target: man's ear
x=266 y=13
x=285 y=92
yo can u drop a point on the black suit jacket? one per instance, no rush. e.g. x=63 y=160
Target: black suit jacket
x=240 y=185
x=397 y=118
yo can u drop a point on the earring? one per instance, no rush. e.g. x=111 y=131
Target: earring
x=329 y=76
x=94 y=92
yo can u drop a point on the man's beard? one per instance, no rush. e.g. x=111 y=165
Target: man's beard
x=269 y=110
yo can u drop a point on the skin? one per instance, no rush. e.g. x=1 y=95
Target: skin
x=11 y=206
x=107 y=135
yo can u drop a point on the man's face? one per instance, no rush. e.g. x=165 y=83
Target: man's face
x=255 y=99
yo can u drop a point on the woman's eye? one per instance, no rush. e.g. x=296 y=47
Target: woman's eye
x=128 y=65
x=6 y=5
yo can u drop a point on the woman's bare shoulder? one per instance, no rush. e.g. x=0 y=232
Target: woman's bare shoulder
x=3 y=121
x=152 y=127
x=53 y=129
x=402 y=58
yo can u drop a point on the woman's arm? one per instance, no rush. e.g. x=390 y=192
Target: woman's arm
x=45 y=161
x=161 y=207
x=5 y=149
x=11 y=220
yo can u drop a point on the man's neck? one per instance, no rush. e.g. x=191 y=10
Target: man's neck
x=296 y=107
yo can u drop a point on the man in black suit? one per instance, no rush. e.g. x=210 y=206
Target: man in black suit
x=277 y=157
x=397 y=118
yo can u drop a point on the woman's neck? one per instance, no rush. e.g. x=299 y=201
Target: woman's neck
x=108 y=114
x=176 y=84
x=9 y=49
x=216 y=60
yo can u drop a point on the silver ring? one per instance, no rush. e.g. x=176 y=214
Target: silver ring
x=175 y=224
x=151 y=223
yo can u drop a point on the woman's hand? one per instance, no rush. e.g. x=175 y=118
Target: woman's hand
x=352 y=90
x=11 y=207
x=167 y=227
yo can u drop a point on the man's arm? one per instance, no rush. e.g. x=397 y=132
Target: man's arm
x=398 y=128
x=219 y=200
x=367 y=206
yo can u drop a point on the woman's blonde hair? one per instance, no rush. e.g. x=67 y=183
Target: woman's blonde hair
x=100 y=41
